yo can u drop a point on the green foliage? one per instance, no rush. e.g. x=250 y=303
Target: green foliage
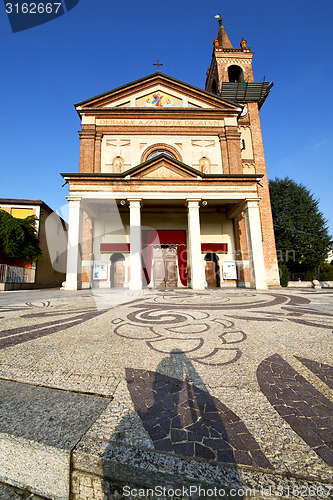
x=311 y=275
x=326 y=272
x=284 y=275
x=301 y=233
x=18 y=237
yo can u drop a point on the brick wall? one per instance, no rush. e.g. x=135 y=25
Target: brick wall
x=87 y=148
x=271 y=266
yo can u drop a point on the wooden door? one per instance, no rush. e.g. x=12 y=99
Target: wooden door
x=210 y=274
x=119 y=274
x=165 y=272
x=170 y=265
x=158 y=269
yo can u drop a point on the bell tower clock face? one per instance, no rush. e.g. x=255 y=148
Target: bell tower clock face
x=244 y=112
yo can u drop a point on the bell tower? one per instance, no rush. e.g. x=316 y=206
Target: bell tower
x=230 y=77
x=228 y=64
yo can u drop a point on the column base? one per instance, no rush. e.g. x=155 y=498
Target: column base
x=135 y=287
x=71 y=286
x=259 y=285
x=198 y=287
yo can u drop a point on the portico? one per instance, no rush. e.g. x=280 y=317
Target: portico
x=194 y=213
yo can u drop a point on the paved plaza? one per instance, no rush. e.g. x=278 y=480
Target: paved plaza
x=106 y=393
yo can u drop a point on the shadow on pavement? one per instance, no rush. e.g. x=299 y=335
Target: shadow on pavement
x=184 y=421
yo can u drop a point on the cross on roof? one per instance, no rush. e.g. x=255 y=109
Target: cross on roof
x=158 y=64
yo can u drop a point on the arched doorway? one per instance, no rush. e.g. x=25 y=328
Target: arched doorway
x=212 y=270
x=117 y=272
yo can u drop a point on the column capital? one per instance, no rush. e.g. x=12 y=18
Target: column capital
x=73 y=198
x=232 y=133
x=251 y=203
x=193 y=202
x=134 y=202
x=87 y=134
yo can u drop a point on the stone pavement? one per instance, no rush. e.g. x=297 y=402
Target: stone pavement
x=214 y=394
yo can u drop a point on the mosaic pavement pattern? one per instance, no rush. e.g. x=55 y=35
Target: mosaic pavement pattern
x=45 y=322
x=322 y=370
x=182 y=418
x=300 y=404
x=227 y=376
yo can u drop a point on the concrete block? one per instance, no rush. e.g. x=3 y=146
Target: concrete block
x=40 y=468
x=39 y=428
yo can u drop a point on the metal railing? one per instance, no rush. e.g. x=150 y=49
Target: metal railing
x=14 y=274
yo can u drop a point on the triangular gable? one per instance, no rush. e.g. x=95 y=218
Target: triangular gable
x=163 y=167
x=156 y=91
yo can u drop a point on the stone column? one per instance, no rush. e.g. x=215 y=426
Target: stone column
x=197 y=270
x=135 y=244
x=74 y=248
x=254 y=243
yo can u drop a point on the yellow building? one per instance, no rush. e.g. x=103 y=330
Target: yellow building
x=49 y=271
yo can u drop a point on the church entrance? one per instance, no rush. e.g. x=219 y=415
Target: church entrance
x=164 y=258
x=117 y=271
x=212 y=270
x=165 y=271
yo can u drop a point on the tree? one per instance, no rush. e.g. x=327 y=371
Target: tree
x=301 y=233
x=18 y=237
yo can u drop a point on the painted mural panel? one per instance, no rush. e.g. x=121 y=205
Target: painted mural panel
x=158 y=99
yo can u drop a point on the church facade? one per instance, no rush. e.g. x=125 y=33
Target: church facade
x=172 y=189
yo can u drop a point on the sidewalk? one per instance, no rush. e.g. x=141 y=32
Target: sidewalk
x=105 y=392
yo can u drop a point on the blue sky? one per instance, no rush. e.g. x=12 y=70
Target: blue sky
x=101 y=44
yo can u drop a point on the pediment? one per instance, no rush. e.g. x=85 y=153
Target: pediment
x=156 y=92
x=163 y=168
x=158 y=97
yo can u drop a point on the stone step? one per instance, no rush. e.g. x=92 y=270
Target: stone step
x=113 y=470
x=39 y=429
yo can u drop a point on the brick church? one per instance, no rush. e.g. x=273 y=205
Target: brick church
x=172 y=189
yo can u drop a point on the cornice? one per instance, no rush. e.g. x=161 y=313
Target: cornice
x=146 y=83
x=179 y=113
x=120 y=177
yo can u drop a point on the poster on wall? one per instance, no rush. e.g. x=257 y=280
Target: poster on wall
x=100 y=270
x=229 y=270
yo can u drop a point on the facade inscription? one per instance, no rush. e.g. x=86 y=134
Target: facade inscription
x=161 y=123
